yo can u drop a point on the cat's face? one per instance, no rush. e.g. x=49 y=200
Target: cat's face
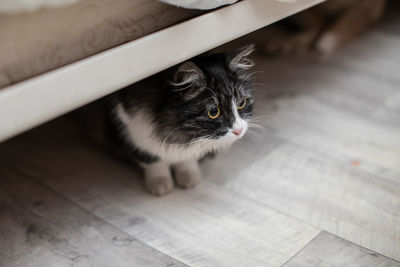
x=212 y=98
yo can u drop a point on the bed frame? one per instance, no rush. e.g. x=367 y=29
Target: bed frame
x=47 y=96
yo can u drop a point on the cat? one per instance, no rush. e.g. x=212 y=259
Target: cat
x=175 y=118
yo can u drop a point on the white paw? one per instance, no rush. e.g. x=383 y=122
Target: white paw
x=158 y=180
x=187 y=175
x=159 y=186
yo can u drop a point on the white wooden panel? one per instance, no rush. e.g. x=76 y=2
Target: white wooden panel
x=47 y=96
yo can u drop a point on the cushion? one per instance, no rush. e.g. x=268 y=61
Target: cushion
x=35 y=42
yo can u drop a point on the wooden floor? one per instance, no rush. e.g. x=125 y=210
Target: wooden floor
x=319 y=185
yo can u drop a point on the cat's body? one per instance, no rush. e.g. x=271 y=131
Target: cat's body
x=179 y=116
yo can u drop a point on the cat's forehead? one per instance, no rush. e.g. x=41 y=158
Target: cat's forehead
x=231 y=89
x=224 y=81
x=220 y=74
x=223 y=100
x=219 y=84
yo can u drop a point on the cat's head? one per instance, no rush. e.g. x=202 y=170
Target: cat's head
x=211 y=96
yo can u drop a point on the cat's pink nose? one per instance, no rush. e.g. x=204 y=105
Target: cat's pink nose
x=237 y=131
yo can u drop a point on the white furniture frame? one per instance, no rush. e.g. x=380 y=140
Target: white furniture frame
x=42 y=98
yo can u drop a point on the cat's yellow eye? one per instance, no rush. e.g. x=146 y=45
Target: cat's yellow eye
x=242 y=104
x=214 y=113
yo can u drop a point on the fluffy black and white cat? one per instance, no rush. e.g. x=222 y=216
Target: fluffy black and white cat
x=175 y=118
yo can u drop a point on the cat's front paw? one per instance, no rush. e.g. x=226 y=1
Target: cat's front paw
x=187 y=175
x=159 y=186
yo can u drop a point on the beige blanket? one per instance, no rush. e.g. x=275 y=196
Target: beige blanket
x=35 y=42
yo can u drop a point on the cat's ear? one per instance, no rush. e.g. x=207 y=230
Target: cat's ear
x=239 y=61
x=188 y=74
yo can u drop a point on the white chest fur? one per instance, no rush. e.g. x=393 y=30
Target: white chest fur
x=141 y=131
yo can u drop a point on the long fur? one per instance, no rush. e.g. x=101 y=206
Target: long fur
x=164 y=118
x=165 y=115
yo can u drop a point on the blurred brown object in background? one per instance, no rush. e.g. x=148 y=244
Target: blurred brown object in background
x=325 y=27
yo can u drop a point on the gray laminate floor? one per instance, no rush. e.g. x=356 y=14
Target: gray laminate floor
x=317 y=185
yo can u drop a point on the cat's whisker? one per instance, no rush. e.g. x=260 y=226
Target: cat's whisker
x=163 y=142
x=255 y=84
x=212 y=91
x=261 y=131
x=260 y=118
x=248 y=77
x=253 y=136
x=267 y=132
x=255 y=90
x=255 y=126
x=254 y=132
x=199 y=145
x=252 y=74
x=253 y=139
x=271 y=88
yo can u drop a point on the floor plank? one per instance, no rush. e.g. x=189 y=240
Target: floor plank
x=207 y=226
x=330 y=129
x=373 y=54
x=327 y=250
x=346 y=88
x=315 y=188
x=329 y=153
x=41 y=228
